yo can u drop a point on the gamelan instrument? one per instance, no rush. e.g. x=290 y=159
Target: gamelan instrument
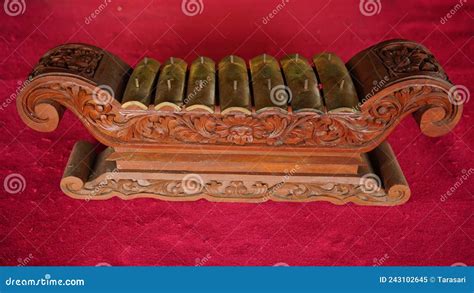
x=293 y=129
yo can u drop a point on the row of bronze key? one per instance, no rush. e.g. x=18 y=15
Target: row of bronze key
x=326 y=87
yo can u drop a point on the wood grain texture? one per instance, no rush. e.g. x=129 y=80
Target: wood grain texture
x=238 y=163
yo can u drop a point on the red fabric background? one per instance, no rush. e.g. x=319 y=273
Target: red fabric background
x=42 y=226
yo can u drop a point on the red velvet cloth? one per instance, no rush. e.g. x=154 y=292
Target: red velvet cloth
x=42 y=226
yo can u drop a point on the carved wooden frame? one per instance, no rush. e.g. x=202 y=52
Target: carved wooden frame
x=74 y=76
x=410 y=89
x=360 y=131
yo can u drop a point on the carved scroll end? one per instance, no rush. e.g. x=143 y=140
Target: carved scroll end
x=48 y=88
x=44 y=117
x=438 y=120
x=398 y=194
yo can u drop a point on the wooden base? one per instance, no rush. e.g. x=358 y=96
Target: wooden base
x=379 y=182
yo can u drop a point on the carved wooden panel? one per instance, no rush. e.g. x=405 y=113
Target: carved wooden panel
x=409 y=57
x=334 y=131
x=236 y=191
x=74 y=58
x=360 y=130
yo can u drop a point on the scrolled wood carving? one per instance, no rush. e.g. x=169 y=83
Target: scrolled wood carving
x=412 y=89
x=113 y=126
x=338 y=193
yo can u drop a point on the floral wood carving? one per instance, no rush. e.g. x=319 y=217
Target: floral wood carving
x=409 y=57
x=234 y=191
x=114 y=126
x=77 y=59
